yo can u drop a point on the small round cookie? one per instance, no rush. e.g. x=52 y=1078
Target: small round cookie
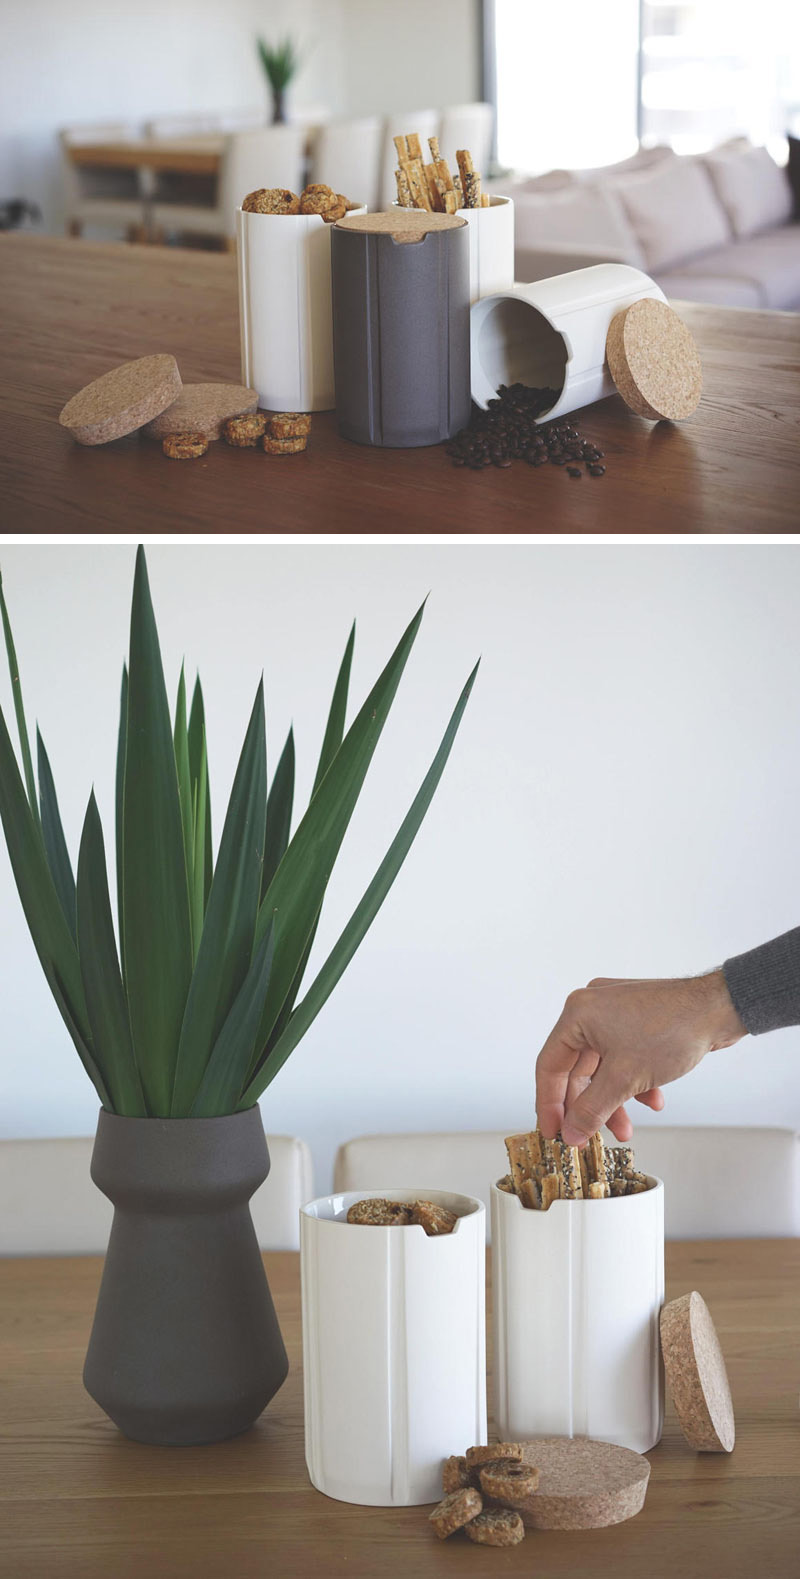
x=492 y=1452
x=455 y=1511
x=284 y=446
x=290 y=424
x=434 y=1219
x=376 y=1213
x=244 y=432
x=184 y=446
x=322 y=200
x=509 y=1481
x=455 y=1474
x=497 y=1527
x=271 y=200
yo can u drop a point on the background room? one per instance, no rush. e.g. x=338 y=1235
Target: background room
x=621 y=799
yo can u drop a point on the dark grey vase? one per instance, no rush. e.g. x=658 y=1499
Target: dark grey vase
x=185 y=1346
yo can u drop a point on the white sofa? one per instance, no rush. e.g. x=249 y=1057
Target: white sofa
x=715 y=227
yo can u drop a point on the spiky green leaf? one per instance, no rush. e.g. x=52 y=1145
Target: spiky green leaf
x=181 y=743
x=226 y=1071
x=198 y=763
x=55 y=845
x=118 y=802
x=279 y=813
x=198 y=895
x=19 y=710
x=334 y=728
x=100 y=972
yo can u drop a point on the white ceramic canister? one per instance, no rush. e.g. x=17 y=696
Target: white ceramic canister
x=394 y=1355
x=552 y=334
x=285 y=319
x=491 y=247
x=577 y=1294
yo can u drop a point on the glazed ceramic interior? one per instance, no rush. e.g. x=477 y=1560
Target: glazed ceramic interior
x=516 y=344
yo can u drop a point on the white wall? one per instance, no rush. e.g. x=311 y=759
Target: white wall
x=74 y=61
x=622 y=799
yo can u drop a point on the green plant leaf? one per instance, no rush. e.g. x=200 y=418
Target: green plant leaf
x=155 y=896
x=55 y=845
x=181 y=743
x=119 y=801
x=51 y=936
x=227 y=942
x=334 y=729
x=232 y=1052
x=16 y=689
x=198 y=897
x=364 y=914
x=297 y=890
x=198 y=762
x=100 y=972
x=279 y=814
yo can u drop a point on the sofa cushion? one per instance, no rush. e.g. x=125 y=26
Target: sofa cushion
x=551 y=181
x=720 y=289
x=643 y=159
x=770 y=262
x=586 y=215
x=753 y=190
x=674 y=212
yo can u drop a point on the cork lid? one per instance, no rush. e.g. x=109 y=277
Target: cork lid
x=202 y=408
x=696 y=1374
x=122 y=400
x=654 y=362
x=583 y=1484
x=402 y=224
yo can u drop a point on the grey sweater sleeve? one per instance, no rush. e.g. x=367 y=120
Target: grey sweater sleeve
x=764 y=983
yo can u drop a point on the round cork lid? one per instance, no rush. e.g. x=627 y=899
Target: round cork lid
x=122 y=400
x=402 y=224
x=696 y=1374
x=202 y=408
x=654 y=362
x=583 y=1484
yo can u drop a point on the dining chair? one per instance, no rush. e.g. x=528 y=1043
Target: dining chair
x=719 y=1183
x=346 y=155
x=51 y=1207
x=112 y=199
x=468 y=126
x=425 y=123
x=205 y=124
x=269 y=156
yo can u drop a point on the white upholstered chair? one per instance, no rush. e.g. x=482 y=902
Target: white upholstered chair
x=269 y=156
x=49 y=1205
x=425 y=123
x=468 y=126
x=705 y=1172
x=346 y=155
x=112 y=199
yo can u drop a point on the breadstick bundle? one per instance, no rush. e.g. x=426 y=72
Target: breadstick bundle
x=543 y=1171
x=431 y=186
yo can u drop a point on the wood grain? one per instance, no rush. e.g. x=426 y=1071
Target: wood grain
x=185 y=155
x=74 y=309
x=78 y=1501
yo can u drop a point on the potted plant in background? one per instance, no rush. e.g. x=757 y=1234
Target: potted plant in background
x=186 y=1023
x=281 y=62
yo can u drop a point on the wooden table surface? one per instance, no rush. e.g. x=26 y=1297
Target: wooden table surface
x=79 y=1500
x=199 y=155
x=74 y=309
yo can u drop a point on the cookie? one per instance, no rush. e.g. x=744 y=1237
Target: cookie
x=184 y=446
x=492 y=1452
x=434 y=1219
x=376 y=1213
x=455 y=1511
x=455 y=1474
x=509 y=1481
x=497 y=1527
x=284 y=446
x=271 y=200
x=322 y=200
x=290 y=424
x=244 y=432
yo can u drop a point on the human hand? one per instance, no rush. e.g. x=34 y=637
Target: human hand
x=618 y=1039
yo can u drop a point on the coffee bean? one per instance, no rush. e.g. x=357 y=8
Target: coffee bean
x=573 y=471
x=596 y=471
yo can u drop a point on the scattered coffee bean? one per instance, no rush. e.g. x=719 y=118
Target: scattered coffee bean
x=596 y=471
x=509 y=430
x=573 y=471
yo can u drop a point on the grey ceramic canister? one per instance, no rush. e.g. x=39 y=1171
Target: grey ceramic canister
x=401 y=327
x=185 y=1346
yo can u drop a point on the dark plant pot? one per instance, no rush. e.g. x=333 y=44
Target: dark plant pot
x=278 y=106
x=185 y=1346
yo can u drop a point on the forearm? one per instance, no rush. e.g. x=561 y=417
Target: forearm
x=764 y=983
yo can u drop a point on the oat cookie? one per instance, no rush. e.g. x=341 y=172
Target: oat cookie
x=455 y=1474
x=284 y=446
x=509 y=1481
x=497 y=1527
x=434 y=1219
x=321 y=199
x=184 y=446
x=377 y=1213
x=244 y=432
x=290 y=424
x=455 y=1511
x=271 y=200
x=492 y=1452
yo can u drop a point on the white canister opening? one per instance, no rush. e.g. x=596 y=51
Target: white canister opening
x=513 y=342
